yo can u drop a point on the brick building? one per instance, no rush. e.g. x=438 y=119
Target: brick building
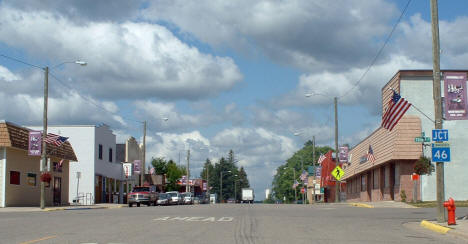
x=396 y=152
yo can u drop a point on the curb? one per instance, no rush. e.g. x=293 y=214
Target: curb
x=435 y=227
x=361 y=205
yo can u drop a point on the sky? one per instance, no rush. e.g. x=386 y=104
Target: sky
x=226 y=74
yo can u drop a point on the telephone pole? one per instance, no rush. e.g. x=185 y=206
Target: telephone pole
x=313 y=164
x=437 y=106
x=337 y=183
x=143 y=163
x=187 y=186
x=44 y=135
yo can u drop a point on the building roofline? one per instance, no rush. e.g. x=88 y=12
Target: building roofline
x=418 y=72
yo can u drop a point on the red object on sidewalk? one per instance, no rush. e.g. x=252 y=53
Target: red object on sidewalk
x=450 y=205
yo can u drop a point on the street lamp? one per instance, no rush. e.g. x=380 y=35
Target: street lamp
x=221 y=185
x=235 y=188
x=44 y=133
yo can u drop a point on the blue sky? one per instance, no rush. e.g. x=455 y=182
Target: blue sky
x=227 y=74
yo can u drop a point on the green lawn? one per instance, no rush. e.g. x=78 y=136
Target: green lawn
x=433 y=204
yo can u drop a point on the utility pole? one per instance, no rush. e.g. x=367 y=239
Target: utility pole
x=221 y=187
x=142 y=173
x=187 y=185
x=437 y=106
x=337 y=184
x=313 y=163
x=44 y=135
x=295 y=188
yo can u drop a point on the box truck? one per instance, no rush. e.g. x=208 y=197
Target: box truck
x=247 y=195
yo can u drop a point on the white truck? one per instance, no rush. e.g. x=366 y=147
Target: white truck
x=247 y=195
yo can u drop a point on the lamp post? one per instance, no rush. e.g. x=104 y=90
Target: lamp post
x=235 y=188
x=221 y=185
x=44 y=124
x=302 y=168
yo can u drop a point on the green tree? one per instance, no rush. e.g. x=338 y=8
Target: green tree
x=174 y=173
x=159 y=165
x=284 y=177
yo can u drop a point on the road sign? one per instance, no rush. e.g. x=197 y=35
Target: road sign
x=440 y=154
x=440 y=135
x=422 y=139
x=338 y=173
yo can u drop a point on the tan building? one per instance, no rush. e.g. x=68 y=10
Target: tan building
x=395 y=154
x=20 y=173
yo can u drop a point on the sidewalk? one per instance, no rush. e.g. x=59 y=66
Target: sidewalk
x=47 y=209
x=459 y=230
x=381 y=204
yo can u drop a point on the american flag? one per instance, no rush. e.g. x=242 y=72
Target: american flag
x=370 y=155
x=295 y=184
x=321 y=158
x=396 y=108
x=304 y=175
x=55 y=139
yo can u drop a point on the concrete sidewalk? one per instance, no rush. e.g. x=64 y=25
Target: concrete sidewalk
x=78 y=207
x=381 y=204
x=459 y=230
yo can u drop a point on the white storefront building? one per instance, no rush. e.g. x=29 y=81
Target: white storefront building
x=100 y=174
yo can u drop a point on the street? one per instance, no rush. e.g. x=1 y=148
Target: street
x=224 y=223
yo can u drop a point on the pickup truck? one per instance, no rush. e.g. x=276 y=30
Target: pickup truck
x=142 y=194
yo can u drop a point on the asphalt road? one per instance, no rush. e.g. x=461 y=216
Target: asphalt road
x=228 y=223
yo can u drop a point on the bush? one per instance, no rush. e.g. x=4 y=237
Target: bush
x=423 y=166
x=403 y=195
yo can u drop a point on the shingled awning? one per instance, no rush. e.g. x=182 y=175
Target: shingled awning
x=12 y=135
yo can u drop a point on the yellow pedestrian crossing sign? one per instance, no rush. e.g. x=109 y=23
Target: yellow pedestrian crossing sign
x=338 y=173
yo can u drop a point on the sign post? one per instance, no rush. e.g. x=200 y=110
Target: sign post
x=415 y=178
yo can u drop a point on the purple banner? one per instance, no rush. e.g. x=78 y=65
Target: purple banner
x=35 y=143
x=455 y=96
x=136 y=166
x=318 y=172
x=343 y=154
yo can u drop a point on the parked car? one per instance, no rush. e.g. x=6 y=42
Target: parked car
x=142 y=195
x=196 y=200
x=174 y=197
x=187 y=198
x=231 y=200
x=163 y=199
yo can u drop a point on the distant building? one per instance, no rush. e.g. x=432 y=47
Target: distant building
x=20 y=173
x=396 y=152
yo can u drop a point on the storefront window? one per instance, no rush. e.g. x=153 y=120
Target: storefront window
x=387 y=176
x=397 y=174
x=375 y=177
x=363 y=182
x=14 y=177
x=31 y=179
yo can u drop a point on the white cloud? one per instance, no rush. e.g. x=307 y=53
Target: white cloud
x=6 y=75
x=125 y=60
x=67 y=109
x=326 y=85
x=309 y=34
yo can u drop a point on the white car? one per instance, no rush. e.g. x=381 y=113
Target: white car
x=174 y=197
x=187 y=198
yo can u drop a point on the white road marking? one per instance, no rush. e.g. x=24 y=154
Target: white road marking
x=195 y=219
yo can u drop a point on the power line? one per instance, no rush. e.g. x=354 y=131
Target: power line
x=380 y=51
x=20 y=61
